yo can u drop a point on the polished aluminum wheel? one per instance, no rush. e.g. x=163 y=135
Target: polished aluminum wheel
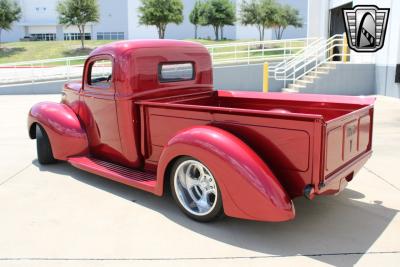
x=195 y=187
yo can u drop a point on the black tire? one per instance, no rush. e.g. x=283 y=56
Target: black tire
x=43 y=147
x=216 y=212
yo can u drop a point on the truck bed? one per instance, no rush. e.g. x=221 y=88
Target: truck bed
x=304 y=139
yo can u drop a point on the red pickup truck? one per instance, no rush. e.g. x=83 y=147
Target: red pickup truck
x=145 y=114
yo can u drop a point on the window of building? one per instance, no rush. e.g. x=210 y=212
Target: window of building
x=100 y=74
x=176 y=72
x=40 y=9
x=44 y=36
x=110 y=36
x=76 y=36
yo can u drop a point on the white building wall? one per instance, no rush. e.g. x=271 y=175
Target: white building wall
x=39 y=12
x=122 y=16
x=318 y=18
x=41 y=29
x=34 y=13
x=113 y=17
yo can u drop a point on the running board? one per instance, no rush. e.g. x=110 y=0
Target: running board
x=139 y=179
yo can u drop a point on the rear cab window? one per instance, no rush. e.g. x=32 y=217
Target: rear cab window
x=176 y=72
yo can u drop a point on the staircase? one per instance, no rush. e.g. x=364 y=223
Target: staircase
x=311 y=63
x=309 y=78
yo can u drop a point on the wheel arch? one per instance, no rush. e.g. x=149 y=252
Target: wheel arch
x=249 y=189
x=62 y=126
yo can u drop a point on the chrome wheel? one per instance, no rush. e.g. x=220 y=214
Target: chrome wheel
x=195 y=188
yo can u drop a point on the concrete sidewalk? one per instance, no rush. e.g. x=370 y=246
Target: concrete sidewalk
x=60 y=216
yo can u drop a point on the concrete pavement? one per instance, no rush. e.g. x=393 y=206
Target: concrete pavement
x=60 y=216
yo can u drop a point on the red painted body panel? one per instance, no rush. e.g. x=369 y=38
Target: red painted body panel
x=291 y=143
x=263 y=149
x=249 y=188
x=65 y=132
x=336 y=182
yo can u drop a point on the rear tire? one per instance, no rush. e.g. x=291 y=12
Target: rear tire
x=43 y=147
x=195 y=190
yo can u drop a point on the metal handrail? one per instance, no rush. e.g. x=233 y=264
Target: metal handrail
x=259 y=42
x=317 y=64
x=318 y=56
x=285 y=62
x=285 y=47
x=310 y=51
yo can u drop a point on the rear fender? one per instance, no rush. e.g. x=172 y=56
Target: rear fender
x=67 y=136
x=249 y=189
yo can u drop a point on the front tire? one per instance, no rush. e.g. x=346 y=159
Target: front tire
x=43 y=147
x=195 y=190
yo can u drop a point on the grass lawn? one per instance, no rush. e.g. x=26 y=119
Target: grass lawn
x=38 y=50
x=27 y=51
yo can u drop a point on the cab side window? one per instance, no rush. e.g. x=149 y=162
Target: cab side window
x=100 y=74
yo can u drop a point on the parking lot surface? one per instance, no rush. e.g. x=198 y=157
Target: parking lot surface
x=60 y=216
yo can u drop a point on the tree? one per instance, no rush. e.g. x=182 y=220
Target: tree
x=160 y=13
x=218 y=13
x=9 y=13
x=78 y=13
x=284 y=17
x=196 y=16
x=258 y=13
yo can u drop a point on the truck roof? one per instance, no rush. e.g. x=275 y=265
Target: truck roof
x=118 y=48
x=137 y=65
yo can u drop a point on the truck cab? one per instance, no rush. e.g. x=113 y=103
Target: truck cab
x=146 y=114
x=117 y=75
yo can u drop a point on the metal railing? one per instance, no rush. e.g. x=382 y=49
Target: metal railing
x=319 y=53
x=289 y=61
x=308 y=61
x=273 y=51
x=42 y=70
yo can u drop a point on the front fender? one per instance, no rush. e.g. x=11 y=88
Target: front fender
x=66 y=135
x=249 y=189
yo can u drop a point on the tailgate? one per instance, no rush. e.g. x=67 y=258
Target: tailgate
x=346 y=138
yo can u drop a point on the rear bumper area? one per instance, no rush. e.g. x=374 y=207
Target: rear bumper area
x=337 y=181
